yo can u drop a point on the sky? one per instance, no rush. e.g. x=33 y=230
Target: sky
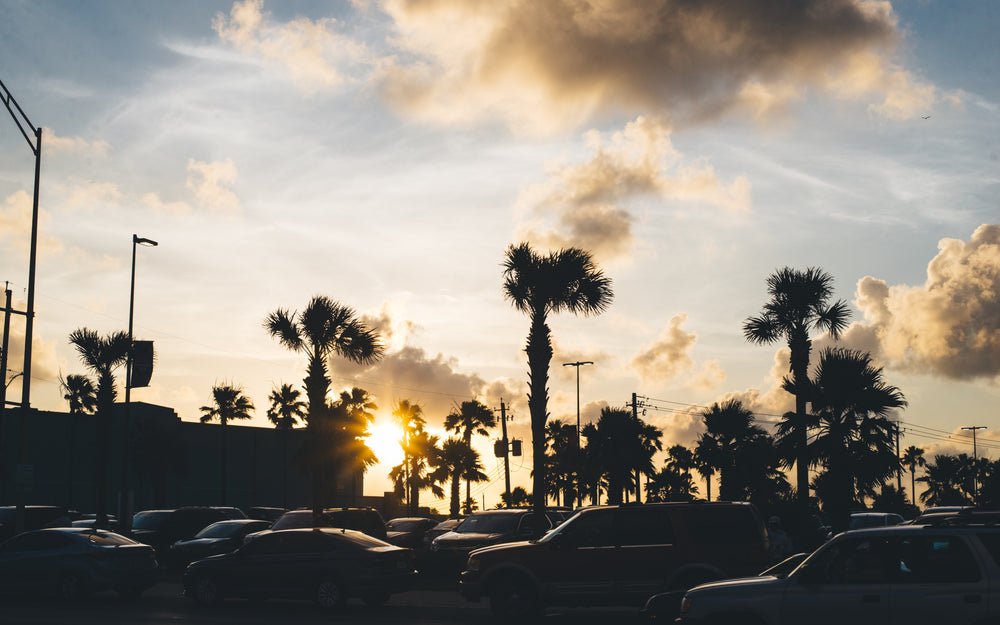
x=386 y=153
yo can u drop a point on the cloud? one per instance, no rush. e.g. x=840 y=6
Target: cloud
x=90 y=195
x=950 y=326
x=210 y=181
x=581 y=204
x=308 y=52
x=44 y=360
x=51 y=143
x=670 y=357
x=15 y=224
x=545 y=66
x=153 y=202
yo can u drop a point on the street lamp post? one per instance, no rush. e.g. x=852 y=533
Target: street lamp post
x=123 y=517
x=577 y=364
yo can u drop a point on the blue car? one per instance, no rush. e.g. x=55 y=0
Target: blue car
x=71 y=563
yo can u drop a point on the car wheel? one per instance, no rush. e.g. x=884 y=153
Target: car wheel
x=513 y=597
x=206 y=591
x=329 y=594
x=71 y=588
x=375 y=598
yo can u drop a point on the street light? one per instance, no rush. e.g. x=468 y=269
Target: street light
x=123 y=520
x=577 y=365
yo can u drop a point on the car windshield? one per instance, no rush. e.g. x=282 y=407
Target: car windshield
x=109 y=538
x=149 y=520
x=221 y=529
x=291 y=521
x=404 y=526
x=495 y=523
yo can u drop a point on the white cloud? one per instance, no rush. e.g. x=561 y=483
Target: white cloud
x=210 y=184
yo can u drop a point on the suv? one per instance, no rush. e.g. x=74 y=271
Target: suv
x=619 y=555
x=901 y=574
x=450 y=551
x=367 y=520
x=162 y=528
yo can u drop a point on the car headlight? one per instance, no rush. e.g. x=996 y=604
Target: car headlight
x=685 y=604
x=472 y=564
x=435 y=546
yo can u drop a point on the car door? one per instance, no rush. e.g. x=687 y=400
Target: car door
x=939 y=580
x=648 y=553
x=847 y=582
x=579 y=563
x=33 y=560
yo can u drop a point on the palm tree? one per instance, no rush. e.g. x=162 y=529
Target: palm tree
x=472 y=417
x=729 y=431
x=323 y=329
x=913 y=458
x=423 y=470
x=285 y=412
x=82 y=398
x=562 y=460
x=102 y=355
x=855 y=439
x=411 y=421
x=349 y=451
x=649 y=442
x=798 y=304
x=458 y=460
x=537 y=285
x=616 y=443
x=706 y=458
x=228 y=404
x=944 y=478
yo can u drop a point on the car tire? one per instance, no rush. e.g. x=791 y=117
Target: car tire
x=70 y=587
x=207 y=591
x=329 y=594
x=513 y=597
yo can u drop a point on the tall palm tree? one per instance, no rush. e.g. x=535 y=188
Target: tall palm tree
x=729 y=432
x=649 y=442
x=422 y=471
x=323 y=329
x=458 y=461
x=410 y=418
x=706 y=459
x=798 y=305
x=471 y=417
x=228 y=404
x=353 y=415
x=562 y=461
x=82 y=397
x=285 y=412
x=913 y=459
x=944 y=478
x=568 y=280
x=616 y=442
x=855 y=439
x=102 y=355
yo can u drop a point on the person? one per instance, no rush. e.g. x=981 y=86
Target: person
x=780 y=545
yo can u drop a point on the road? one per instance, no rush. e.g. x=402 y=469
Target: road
x=164 y=605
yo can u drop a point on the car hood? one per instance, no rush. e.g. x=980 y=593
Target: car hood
x=506 y=548
x=763 y=583
x=456 y=540
x=195 y=543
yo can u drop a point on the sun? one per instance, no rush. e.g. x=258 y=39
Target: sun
x=384 y=441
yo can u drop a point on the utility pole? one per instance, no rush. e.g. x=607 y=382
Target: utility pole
x=975 y=466
x=506 y=451
x=899 y=465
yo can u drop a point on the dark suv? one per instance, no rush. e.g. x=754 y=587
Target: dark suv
x=162 y=528
x=450 y=551
x=367 y=520
x=619 y=555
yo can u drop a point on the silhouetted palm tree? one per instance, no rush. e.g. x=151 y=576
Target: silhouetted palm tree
x=562 y=460
x=228 y=404
x=537 y=285
x=706 y=459
x=285 y=412
x=410 y=418
x=82 y=397
x=855 y=440
x=798 y=305
x=519 y=498
x=913 y=458
x=422 y=471
x=944 y=478
x=729 y=430
x=471 y=417
x=323 y=329
x=458 y=461
x=102 y=355
x=616 y=443
x=353 y=414
x=650 y=444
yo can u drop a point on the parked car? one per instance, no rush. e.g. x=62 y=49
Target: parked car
x=219 y=537
x=861 y=520
x=441 y=528
x=35 y=517
x=450 y=551
x=90 y=521
x=367 y=520
x=71 y=563
x=162 y=528
x=325 y=565
x=408 y=531
x=888 y=575
x=622 y=555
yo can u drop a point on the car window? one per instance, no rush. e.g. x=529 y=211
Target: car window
x=221 y=529
x=595 y=529
x=729 y=525
x=857 y=561
x=991 y=540
x=150 y=520
x=293 y=520
x=109 y=538
x=488 y=523
x=645 y=526
x=936 y=559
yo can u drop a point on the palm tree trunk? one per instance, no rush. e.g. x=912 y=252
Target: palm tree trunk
x=223 y=463
x=539 y=351
x=284 y=468
x=800 y=346
x=454 y=496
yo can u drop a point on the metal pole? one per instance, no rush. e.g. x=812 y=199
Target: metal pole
x=506 y=451
x=577 y=365
x=975 y=468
